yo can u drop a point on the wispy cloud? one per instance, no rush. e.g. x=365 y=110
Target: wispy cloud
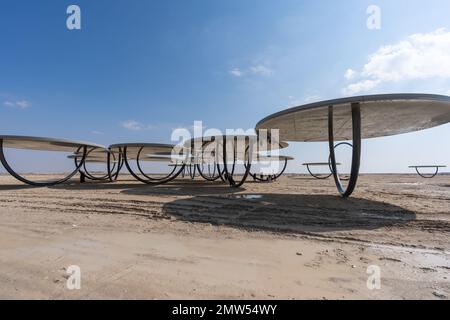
x=134 y=125
x=421 y=56
x=257 y=70
x=261 y=70
x=8 y=104
x=20 y=104
x=97 y=132
x=236 y=72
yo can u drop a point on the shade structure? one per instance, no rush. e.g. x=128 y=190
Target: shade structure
x=149 y=152
x=45 y=144
x=80 y=148
x=93 y=154
x=90 y=159
x=308 y=166
x=358 y=118
x=427 y=166
x=142 y=149
x=239 y=148
x=419 y=169
x=318 y=164
x=381 y=115
x=152 y=158
x=274 y=158
x=113 y=162
x=224 y=153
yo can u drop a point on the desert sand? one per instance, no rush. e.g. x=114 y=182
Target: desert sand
x=291 y=239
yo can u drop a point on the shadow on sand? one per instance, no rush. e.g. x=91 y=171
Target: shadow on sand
x=98 y=185
x=289 y=212
x=7 y=187
x=133 y=187
x=185 y=188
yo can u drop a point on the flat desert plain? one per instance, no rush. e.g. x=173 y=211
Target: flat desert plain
x=291 y=239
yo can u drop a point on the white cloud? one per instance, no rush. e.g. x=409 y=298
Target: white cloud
x=261 y=70
x=421 y=56
x=21 y=104
x=236 y=72
x=133 y=125
x=350 y=74
x=97 y=132
x=361 y=86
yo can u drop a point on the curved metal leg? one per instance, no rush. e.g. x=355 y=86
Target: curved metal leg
x=228 y=176
x=428 y=176
x=145 y=175
x=192 y=171
x=316 y=175
x=114 y=176
x=152 y=182
x=210 y=177
x=40 y=184
x=356 y=152
x=90 y=176
x=283 y=170
x=221 y=173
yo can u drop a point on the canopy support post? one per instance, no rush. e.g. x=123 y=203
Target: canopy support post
x=356 y=151
x=228 y=176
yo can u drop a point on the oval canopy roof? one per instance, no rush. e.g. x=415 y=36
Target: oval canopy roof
x=148 y=149
x=381 y=115
x=45 y=144
x=274 y=159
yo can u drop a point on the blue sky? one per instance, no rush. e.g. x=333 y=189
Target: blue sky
x=138 y=69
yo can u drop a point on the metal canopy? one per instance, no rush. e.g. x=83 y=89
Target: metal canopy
x=89 y=158
x=428 y=175
x=161 y=159
x=381 y=115
x=274 y=159
x=45 y=144
x=144 y=149
x=318 y=164
x=430 y=166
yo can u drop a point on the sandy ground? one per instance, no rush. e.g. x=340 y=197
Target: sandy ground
x=292 y=239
